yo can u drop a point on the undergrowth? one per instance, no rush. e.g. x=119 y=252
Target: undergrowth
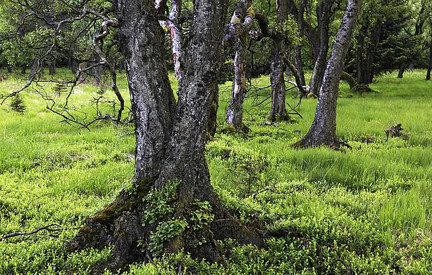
x=365 y=210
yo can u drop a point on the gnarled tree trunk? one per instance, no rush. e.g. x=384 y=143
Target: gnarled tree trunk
x=170 y=144
x=323 y=129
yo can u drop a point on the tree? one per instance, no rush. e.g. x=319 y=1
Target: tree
x=383 y=40
x=323 y=129
x=241 y=24
x=428 y=74
x=318 y=35
x=242 y=21
x=171 y=179
x=428 y=12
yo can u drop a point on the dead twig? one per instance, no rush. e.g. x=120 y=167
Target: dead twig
x=49 y=228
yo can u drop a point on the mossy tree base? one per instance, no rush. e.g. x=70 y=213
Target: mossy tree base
x=280 y=117
x=125 y=225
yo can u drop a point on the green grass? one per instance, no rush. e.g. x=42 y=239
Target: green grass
x=367 y=210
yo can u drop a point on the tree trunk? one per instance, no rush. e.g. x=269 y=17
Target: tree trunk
x=323 y=129
x=319 y=69
x=428 y=74
x=349 y=80
x=320 y=45
x=298 y=60
x=278 y=109
x=52 y=68
x=170 y=144
x=401 y=71
x=176 y=36
x=34 y=68
x=98 y=72
x=234 y=114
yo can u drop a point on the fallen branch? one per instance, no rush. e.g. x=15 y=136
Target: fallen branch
x=48 y=228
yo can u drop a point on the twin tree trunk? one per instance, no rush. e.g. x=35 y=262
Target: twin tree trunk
x=170 y=142
x=320 y=45
x=298 y=60
x=323 y=130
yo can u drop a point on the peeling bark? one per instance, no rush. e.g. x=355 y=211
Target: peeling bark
x=234 y=113
x=176 y=36
x=241 y=22
x=323 y=129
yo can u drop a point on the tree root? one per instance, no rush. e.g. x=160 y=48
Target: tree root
x=127 y=225
x=336 y=145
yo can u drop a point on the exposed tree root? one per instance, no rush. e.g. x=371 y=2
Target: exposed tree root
x=337 y=145
x=192 y=227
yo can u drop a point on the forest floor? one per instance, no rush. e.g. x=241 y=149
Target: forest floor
x=366 y=210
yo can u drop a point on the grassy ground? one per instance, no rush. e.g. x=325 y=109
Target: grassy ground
x=365 y=210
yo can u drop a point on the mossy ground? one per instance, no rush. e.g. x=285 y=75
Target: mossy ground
x=365 y=210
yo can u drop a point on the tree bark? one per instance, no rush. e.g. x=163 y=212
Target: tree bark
x=170 y=143
x=234 y=114
x=298 y=60
x=52 y=67
x=323 y=129
x=176 y=36
x=278 y=107
x=277 y=68
x=98 y=72
x=428 y=74
x=320 y=45
x=401 y=71
x=242 y=22
x=34 y=68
